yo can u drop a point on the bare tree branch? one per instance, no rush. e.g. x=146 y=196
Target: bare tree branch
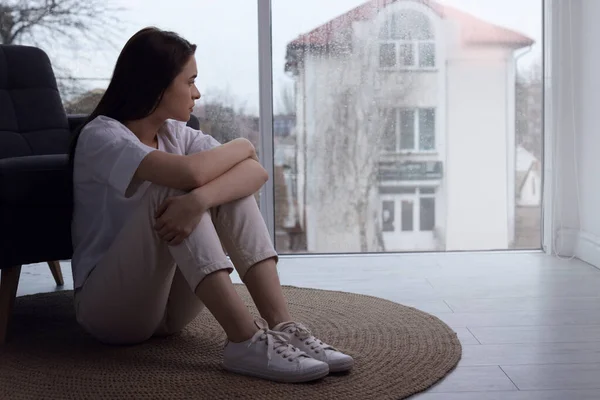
x=35 y=20
x=223 y=116
x=64 y=24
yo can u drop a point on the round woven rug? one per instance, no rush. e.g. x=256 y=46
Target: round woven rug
x=398 y=351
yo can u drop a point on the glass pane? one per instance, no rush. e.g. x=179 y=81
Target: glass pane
x=389 y=135
x=407 y=55
x=410 y=25
x=407 y=216
x=86 y=42
x=387 y=55
x=407 y=129
x=387 y=216
x=426 y=55
x=427 y=129
x=327 y=73
x=427 y=213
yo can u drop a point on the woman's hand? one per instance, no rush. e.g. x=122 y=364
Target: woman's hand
x=178 y=216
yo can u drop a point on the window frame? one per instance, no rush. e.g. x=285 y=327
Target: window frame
x=414 y=197
x=397 y=113
x=552 y=55
x=415 y=45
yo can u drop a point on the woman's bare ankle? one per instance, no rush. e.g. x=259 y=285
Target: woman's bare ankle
x=242 y=333
x=217 y=292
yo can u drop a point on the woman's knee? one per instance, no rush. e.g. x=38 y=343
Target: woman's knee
x=116 y=330
x=161 y=193
x=247 y=204
x=118 y=335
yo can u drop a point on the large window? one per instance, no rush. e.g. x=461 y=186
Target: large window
x=442 y=96
x=442 y=99
x=83 y=57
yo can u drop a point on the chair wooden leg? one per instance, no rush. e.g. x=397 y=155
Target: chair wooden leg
x=56 y=272
x=8 y=291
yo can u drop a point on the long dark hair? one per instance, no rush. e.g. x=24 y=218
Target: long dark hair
x=147 y=65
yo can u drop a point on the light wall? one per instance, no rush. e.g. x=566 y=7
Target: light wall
x=573 y=148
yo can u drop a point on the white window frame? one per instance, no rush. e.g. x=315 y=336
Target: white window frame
x=415 y=44
x=553 y=12
x=265 y=78
x=417 y=134
x=551 y=58
x=416 y=201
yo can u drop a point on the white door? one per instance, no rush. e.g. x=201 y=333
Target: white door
x=407 y=221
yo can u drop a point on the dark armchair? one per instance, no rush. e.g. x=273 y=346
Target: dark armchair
x=35 y=186
x=35 y=179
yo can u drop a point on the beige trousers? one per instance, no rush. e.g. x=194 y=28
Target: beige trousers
x=143 y=287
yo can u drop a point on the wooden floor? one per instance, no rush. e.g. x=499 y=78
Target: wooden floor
x=529 y=323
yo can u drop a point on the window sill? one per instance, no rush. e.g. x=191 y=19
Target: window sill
x=408 y=69
x=411 y=153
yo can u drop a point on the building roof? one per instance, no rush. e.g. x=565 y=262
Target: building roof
x=473 y=30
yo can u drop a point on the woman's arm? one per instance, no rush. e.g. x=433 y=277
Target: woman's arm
x=243 y=180
x=194 y=170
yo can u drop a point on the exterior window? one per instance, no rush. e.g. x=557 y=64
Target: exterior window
x=389 y=130
x=426 y=55
x=387 y=55
x=387 y=216
x=409 y=130
x=427 y=213
x=426 y=132
x=416 y=209
x=407 y=216
x=407 y=55
x=407 y=41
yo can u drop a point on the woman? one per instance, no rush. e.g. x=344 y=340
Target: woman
x=154 y=199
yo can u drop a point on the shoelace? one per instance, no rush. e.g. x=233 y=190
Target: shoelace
x=305 y=335
x=276 y=341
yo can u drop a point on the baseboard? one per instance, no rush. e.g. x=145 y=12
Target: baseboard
x=582 y=245
x=566 y=242
x=588 y=248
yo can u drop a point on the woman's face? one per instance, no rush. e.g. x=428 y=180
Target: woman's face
x=178 y=100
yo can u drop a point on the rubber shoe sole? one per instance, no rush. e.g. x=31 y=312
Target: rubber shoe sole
x=343 y=366
x=308 y=375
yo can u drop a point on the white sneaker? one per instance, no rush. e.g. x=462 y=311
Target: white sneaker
x=302 y=338
x=269 y=355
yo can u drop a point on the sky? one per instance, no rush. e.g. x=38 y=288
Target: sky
x=225 y=32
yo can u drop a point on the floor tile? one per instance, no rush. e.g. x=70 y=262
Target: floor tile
x=469 y=379
x=537 y=334
x=531 y=354
x=556 y=376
